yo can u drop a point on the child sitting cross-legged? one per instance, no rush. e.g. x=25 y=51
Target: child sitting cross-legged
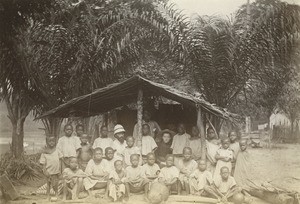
x=199 y=179
x=73 y=179
x=97 y=171
x=224 y=187
x=169 y=174
x=135 y=181
x=50 y=159
x=129 y=150
x=151 y=169
x=186 y=166
x=116 y=186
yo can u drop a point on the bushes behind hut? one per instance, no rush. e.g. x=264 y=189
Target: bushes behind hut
x=25 y=168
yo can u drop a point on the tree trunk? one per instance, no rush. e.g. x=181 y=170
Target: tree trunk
x=18 y=108
x=18 y=138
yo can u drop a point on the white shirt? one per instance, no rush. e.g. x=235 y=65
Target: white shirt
x=103 y=143
x=180 y=142
x=148 y=144
x=119 y=147
x=68 y=146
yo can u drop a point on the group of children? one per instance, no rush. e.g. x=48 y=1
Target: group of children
x=121 y=167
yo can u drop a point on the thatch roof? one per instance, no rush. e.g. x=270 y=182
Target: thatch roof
x=123 y=93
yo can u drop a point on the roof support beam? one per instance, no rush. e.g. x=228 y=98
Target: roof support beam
x=201 y=128
x=139 y=116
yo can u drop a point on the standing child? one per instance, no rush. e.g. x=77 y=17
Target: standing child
x=50 y=159
x=179 y=142
x=130 y=150
x=135 y=181
x=103 y=141
x=109 y=156
x=224 y=187
x=234 y=145
x=169 y=175
x=117 y=178
x=195 y=143
x=164 y=147
x=224 y=157
x=151 y=169
x=85 y=153
x=242 y=167
x=212 y=146
x=119 y=144
x=148 y=143
x=79 y=130
x=186 y=166
x=73 y=179
x=97 y=172
x=68 y=145
x=200 y=179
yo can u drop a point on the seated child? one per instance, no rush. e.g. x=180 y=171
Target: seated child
x=50 y=159
x=109 y=156
x=199 y=179
x=169 y=174
x=131 y=149
x=73 y=179
x=224 y=187
x=179 y=142
x=103 y=141
x=224 y=157
x=85 y=153
x=164 y=148
x=135 y=181
x=151 y=169
x=186 y=166
x=148 y=143
x=119 y=144
x=195 y=143
x=117 y=178
x=97 y=171
x=68 y=145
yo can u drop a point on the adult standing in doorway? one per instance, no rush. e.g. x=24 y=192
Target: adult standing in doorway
x=154 y=127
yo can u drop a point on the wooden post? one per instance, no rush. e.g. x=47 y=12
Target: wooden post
x=201 y=128
x=139 y=117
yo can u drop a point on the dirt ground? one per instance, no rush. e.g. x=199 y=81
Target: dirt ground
x=279 y=165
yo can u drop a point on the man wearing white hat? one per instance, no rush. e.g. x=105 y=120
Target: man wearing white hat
x=119 y=144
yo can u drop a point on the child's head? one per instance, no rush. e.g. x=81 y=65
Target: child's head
x=79 y=130
x=232 y=136
x=181 y=128
x=98 y=154
x=243 y=144
x=210 y=133
x=225 y=143
x=84 y=138
x=119 y=133
x=224 y=172
x=104 y=131
x=130 y=141
x=166 y=137
x=151 y=158
x=73 y=163
x=118 y=165
x=169 y=160
x=134 y=160
x=202 y=165
x=109 y=153
x=187 y=153
x=145 y=129
x=51 y=141
x=195 y=131
x=68 y=129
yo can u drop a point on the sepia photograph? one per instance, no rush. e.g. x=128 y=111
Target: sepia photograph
x=150 y=101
